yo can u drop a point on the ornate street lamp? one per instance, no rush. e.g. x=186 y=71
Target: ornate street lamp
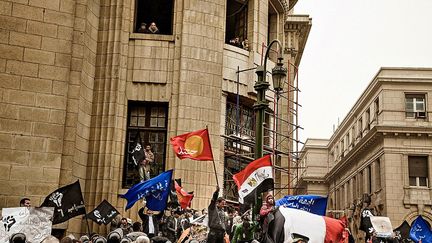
x=261 y=86
x=279 y=73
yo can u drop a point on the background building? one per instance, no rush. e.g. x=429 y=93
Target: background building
x=79 y=81
x=382 y=149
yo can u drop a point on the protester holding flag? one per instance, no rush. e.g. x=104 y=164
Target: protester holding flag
x=150 y=221
x=144 y=169
x=216 y=221
x=268 y=206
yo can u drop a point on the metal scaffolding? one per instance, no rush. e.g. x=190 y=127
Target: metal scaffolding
x=281 y=134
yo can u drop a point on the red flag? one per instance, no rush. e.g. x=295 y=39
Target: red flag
x=193 y=145
x=184 y=197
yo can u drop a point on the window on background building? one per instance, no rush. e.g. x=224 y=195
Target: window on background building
x=272 y=23
x=246 y=120
x=369 y=180
x=337 y=196
x=336 y=153
x=360 y=183
x=159 y=12
x=368 y=119
x=354 y=188
x=342 y=189
x=377 y=174
x=349 y=192
x=147 y=123
x=376 y=108
x=342 y=148
x=352 y=134
x=415 y=106
x=418 y=171
x=236 y=23
x=360 y=127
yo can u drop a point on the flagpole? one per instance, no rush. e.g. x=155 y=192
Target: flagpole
x=211 y=151
x=87 y=223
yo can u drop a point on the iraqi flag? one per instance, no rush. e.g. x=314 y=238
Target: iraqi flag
x=319 y=229
x=257 y=177
x=193 y=145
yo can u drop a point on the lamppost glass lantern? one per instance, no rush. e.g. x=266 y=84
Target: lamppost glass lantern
x=278 y=75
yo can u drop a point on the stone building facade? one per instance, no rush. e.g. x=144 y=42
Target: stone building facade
x=382 y=149
x=79 y=81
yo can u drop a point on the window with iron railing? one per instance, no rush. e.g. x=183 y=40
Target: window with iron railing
x=147 y=124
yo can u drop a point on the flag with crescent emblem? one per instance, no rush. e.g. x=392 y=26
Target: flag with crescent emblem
x=194 y=145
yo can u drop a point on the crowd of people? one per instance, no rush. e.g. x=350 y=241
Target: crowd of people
x=215 y=224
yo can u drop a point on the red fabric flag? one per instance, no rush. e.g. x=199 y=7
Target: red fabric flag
x=257 y=177
x=184 y=197
x=193 y=145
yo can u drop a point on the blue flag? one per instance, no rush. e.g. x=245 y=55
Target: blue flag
x=155 y=191
x=310 y=203
x=420 y=231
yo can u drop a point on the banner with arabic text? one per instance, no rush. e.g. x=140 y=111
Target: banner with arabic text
x=35 y=223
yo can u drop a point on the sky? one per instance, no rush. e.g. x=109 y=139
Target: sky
x=348 y=43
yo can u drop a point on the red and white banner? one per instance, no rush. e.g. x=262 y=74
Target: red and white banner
x=319 y=229
x=257 y=177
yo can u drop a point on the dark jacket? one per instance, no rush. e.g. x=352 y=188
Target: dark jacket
x=173 y=232
x=216 y=216
x=145 y=221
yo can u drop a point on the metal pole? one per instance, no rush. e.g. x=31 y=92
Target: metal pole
x=238 y=104
x=290 y=143
x=261 y=104
x=260 y=107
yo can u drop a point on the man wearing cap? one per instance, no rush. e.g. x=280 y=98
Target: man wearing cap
x=216 y=221
x=298 y=238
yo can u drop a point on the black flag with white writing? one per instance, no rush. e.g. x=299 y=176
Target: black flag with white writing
x=137 y=152
x=103 y=214
x=67 y=201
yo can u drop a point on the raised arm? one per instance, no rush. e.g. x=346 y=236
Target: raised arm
x=214 y=198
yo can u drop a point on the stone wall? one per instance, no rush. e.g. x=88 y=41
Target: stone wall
x=35 y=69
